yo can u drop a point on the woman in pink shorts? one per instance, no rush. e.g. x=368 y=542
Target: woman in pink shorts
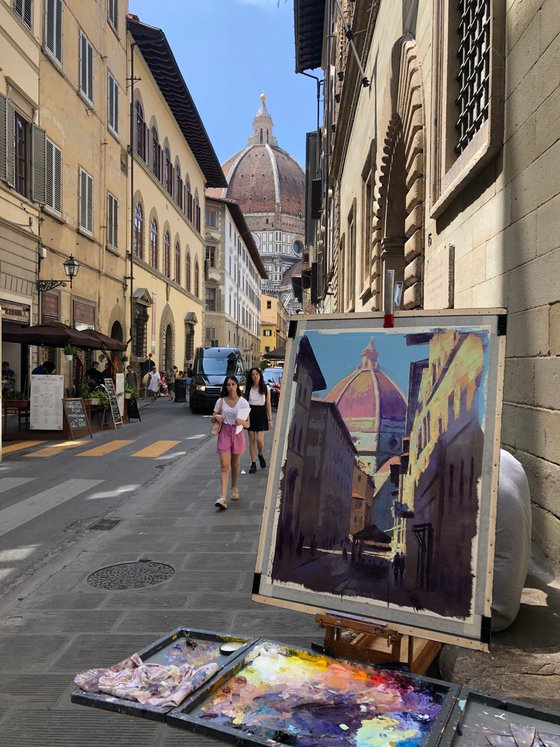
x=230 y=444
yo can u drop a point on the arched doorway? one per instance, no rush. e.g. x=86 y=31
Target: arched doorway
x=168 y=361
x=117 y=332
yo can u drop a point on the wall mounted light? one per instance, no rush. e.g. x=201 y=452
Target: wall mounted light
x=71 y=269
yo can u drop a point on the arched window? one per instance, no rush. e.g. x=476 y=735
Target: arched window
x=167 y=254
x=196 y=279
x=189 y=205
x=178 y=186
x=156 y=154
x=154 y=243
x=140 y=132
x=196 y=216
x=168 y=171
x=188 y=272
x=261 y=136
x=138 y=238
x=178 y=263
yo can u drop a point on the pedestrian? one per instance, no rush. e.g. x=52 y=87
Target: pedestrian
x=45 y=368
x=153 y=385
x=8 y=377
x=401 y=567
x=131 y=379
x=258 y=395
x=396 y=566
x=231 y=410
x=171 y=378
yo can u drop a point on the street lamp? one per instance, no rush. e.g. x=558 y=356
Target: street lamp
x=71 y=268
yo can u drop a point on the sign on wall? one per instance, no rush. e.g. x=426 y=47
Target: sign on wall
x=45 y=407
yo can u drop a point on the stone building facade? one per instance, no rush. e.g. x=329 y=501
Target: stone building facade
x=440 y=159
x=233 y=274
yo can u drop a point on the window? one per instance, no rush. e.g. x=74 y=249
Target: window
x=178 y=263
x=367 y=220
x=140 y=331
x=85 y=218
x=189 y=200
x=140 y=132
x=113 y=13
x=267 y=333
x=138 y=232
x=211 y=299
x=167 y=254
x=22 y=8
x=188 y=272
x=196 y=213
x=269 y=304
x=211 y=256
x=467 y=114
x=178 y=186
x=112 y=221
x=86 y=68
x=21 y=154
x=112 y=104
x=168 y=172
x=196 y=279
x=53 y=197
x=156 y=154
x=154 y=243
x=211 y=217
x=53 y=28
x=351 y=258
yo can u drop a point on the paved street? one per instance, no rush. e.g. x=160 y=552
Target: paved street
x=54 y=624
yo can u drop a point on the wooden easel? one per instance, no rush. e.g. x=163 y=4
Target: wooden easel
x=377 y=644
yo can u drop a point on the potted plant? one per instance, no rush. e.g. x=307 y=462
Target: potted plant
x=124 y=358
x=103 y=398
x=130 y=392
x=70 y=351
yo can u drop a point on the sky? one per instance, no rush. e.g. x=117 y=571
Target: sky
x=229 y=52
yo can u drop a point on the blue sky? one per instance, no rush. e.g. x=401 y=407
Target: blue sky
x=229 y=51
x=337 y=361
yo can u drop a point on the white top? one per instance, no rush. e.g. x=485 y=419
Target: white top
x=255 y=397
x=155 y=380
x=231 y=414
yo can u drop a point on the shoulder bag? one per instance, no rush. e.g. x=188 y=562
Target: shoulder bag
x=217 y=425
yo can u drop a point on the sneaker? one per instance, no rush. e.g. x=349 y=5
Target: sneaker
x=234 y=494
x=262 y=461
x=253 y=468
x=221 y=503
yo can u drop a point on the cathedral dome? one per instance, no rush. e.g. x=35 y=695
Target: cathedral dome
x=373 y=407
x=262 y=177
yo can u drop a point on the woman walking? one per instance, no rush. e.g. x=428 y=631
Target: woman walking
x=231 y=445
x=261 y=416
x=154 y=383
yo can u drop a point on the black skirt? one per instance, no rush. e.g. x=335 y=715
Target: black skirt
x=258 y=419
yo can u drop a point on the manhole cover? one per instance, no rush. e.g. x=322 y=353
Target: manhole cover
x=130 y=575
x=105 y=525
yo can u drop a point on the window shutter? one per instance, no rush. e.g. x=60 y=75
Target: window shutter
x=115 y=105
x=50 y=25
x=89 y=203
x=83 y=62
x=58 y=29
x=10 y=144
x=38 y=164
x=90 y=71
x=3 y=138
x=83 y=200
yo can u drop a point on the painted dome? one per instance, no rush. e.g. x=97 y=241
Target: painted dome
x=373 y=408
x=264 y=178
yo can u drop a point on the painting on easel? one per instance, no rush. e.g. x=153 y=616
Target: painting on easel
x=381 y=500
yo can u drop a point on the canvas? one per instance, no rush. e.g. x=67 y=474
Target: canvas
x=279 y=695
x=381 y=499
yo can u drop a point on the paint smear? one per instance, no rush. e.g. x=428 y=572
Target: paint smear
x=299 y=698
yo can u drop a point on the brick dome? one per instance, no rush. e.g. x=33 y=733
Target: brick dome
x=264 y=178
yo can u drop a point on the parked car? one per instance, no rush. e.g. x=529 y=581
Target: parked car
x=273 y=379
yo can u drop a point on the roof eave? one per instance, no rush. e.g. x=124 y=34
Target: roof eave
x=309 y=19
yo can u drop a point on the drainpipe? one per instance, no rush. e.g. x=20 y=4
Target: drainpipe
x=130 y=277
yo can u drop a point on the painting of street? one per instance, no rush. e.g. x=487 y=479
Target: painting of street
x=379 y=487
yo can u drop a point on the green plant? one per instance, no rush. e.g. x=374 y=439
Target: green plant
x=132 y=390
x=13 y=394
x=103 y=398
x=124 y=358
x=70 y=350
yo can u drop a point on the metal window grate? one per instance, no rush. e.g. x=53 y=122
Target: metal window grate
x=474 y=69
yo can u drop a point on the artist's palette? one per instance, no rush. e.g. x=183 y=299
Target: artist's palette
x=197 y=648
x=482 y=720
x=278 y=695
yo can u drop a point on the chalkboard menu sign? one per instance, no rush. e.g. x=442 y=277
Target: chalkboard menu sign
x=132 y=409
x=76 y=416
x=115 y=412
